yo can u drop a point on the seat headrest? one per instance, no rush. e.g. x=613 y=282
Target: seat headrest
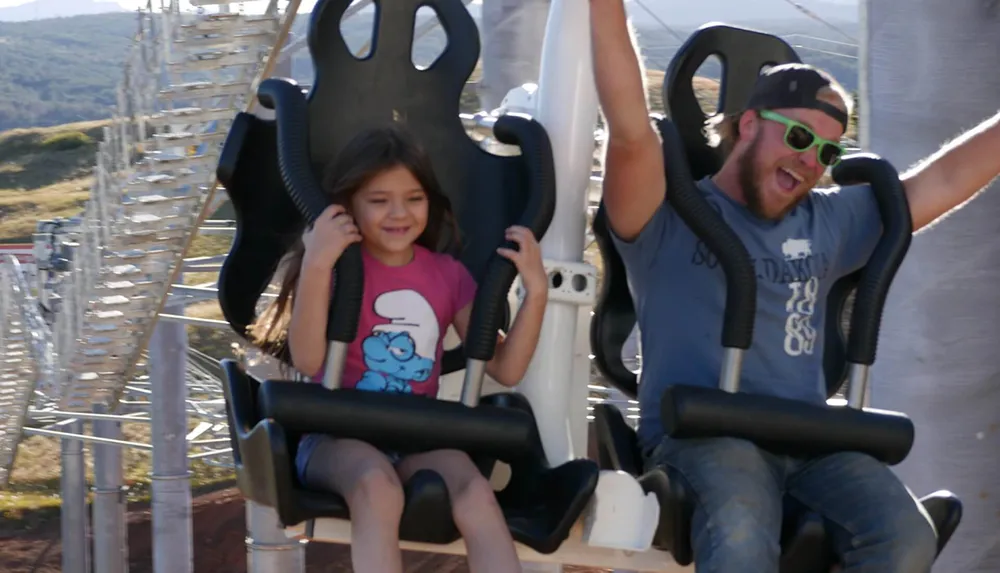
x=744 y=54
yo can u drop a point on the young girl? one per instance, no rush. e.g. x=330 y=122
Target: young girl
x=387 y=198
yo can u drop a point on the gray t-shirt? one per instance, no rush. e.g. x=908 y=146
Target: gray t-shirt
x=679 y=293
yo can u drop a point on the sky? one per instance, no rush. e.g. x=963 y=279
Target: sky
x=251 y=6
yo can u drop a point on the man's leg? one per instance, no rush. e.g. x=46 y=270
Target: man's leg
x=736 y=489
x=876 y=524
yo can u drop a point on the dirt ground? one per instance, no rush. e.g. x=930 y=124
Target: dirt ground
x=32 y=546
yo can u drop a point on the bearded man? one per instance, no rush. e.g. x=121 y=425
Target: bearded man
x=801 y=240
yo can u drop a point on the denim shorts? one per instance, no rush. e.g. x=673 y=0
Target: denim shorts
x=308 y=444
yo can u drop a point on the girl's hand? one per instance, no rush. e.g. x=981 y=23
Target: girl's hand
x=527 y=259
x=329 y=236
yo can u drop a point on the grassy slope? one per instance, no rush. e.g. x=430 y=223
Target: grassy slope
x=44 y=173
x=60 y=70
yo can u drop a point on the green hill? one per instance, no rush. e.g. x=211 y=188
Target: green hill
x=61 y=70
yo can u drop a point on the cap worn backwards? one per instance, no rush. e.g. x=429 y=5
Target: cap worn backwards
x=794 y=86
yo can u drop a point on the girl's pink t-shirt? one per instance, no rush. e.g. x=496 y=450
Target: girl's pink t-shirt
x=405 y=313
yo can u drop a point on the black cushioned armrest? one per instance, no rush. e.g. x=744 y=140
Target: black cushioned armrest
x=403 y=422
x=785 y=426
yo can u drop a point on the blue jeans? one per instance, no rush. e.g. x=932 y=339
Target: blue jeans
x=740 y=491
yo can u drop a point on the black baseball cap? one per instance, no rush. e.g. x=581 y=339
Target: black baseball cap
x=792 y=86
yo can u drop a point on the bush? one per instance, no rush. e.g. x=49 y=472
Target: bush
x=66 y=140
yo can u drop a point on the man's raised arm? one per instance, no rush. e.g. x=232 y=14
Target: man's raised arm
x=634 y=179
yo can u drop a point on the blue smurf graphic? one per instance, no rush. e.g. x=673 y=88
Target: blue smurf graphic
x=401 y=353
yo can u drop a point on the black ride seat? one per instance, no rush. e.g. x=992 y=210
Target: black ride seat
x=688 y=412
x=269 y=169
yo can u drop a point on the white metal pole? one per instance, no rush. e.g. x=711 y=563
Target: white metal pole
x=932 y=75
x=512 y=31
x=864 y=74
x=110 y=535
x=73 y=516
x=269 y=550
x=567 y=107
x=172 y=526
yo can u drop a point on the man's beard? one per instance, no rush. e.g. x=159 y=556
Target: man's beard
x=747 y=175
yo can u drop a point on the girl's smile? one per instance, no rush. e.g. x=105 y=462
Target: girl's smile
x=391 y=211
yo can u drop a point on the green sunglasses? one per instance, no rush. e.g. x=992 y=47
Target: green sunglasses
x=800 y=138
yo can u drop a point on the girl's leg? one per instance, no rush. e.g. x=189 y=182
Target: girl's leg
x=487 y=540
x=367 y=481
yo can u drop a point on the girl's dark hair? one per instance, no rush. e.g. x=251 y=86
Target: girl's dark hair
x=370 y=153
